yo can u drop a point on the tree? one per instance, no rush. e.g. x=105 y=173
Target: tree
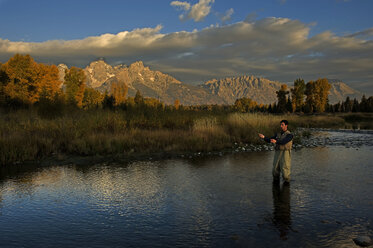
x=245 y=105
x=119 y=91
x=364 y=104
x=348 y=104
x=322 y=89
x=75 y=85
x=317 y=95
x=281 y=96
x=297 y=95
x=48 y=83
x=177 y=104
x=4 y=80
x=355 y=106
x=92 y=99
x=289 y=105
x=22 y=73
x=139 y=99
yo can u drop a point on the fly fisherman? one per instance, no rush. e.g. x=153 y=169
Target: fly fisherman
x=282 y=160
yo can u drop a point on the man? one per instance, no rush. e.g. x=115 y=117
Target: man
x=282 y=160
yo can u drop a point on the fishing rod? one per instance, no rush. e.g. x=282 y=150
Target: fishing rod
x=249 y=124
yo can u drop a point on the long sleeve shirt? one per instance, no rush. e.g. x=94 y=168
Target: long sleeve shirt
x=285 y=140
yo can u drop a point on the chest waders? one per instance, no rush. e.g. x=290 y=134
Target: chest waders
x=282 y=159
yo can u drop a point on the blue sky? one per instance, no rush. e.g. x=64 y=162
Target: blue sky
x=201 y=39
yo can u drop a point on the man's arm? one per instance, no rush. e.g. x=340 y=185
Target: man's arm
x=268 y=140
x=285 y=140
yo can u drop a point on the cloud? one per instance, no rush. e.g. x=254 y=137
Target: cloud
x=197 y=12
x=277 y=48
x=363 y=34
x=181 y=5
x=227 y=16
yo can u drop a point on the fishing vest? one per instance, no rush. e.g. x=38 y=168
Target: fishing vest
x=280 y=137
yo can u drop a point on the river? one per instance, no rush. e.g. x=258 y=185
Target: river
x=215 y=201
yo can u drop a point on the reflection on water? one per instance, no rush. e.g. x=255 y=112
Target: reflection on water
x=281 y=208
x=210 y=202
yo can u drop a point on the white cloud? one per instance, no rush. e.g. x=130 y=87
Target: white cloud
x=277 y=48
x=181 y=5
x=197 y=12
x=227 y=16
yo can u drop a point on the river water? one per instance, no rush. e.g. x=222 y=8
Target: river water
x=220 y=201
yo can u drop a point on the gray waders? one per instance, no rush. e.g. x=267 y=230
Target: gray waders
x=282 y=163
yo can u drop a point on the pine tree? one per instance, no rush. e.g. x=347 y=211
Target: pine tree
x=281 y=96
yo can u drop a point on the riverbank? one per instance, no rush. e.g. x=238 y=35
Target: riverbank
x=119 y=134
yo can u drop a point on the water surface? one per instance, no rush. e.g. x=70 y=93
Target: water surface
x=227 y=201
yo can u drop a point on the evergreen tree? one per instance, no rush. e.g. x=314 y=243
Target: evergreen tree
x=139 y=99
x=348 y=105
x=289 y=105
x=363 y=104
x=281 y=99
x=355 y=106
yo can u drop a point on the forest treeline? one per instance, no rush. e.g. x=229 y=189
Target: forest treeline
x=24 y=82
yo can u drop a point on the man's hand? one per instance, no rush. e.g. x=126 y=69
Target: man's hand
x=273 y=141
x=261 y=135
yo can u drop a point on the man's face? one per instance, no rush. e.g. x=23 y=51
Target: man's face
x=283 y=127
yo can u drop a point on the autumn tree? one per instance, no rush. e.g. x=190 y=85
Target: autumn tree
x=177 y=104
x=281 y=99
x=317 y=95
x=75 y=86
x=22 y=73
x=245 y=105
x=297 y=95
x=323 y=87
x=119 y=92
x=48 y=83
x=92 y=99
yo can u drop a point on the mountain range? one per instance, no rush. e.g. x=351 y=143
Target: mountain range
x=166 y=88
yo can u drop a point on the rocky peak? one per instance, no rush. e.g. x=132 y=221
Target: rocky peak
x=229 y=89
x=98 y=72
x=61 y=72
x=137 y=66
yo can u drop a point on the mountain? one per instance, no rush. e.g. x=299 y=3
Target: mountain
x=150 y=83
x=260 y=90
x=166 y=88
x=339 y=91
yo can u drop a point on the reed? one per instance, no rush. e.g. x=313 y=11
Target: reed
x=24 y=135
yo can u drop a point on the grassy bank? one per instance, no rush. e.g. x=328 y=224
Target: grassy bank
x=25 y=136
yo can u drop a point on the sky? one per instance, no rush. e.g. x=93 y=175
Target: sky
x=198 y=40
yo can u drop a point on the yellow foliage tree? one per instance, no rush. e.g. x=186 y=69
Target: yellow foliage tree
x=92 y=98
x=317 y=95
x=119 y=92
x=22 y=73
x=177 y=104
x=75 y=86
x=48 y=82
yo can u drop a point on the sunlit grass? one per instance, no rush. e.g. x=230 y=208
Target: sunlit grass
x=25 y=136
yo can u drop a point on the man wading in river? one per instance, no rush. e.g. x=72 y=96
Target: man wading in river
x=282 y=160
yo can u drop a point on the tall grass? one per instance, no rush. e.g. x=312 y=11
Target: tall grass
x=24 y=135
